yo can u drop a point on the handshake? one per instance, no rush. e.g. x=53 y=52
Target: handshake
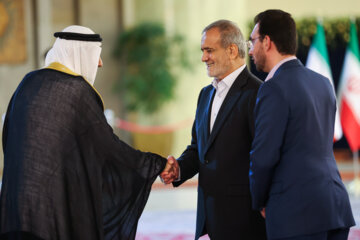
x=171 y=171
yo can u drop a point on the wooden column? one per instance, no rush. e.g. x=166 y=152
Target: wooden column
x=76 y=11
x=35 y=30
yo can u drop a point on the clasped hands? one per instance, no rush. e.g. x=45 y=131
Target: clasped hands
x=171 y=171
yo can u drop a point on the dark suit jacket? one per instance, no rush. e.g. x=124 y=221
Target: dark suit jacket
x=293 y=170
x=222 y=161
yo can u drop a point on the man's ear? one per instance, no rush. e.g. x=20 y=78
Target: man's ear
x=267 y=43
x=233 y=50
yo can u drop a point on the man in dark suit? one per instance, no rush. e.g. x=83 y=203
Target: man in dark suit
x=221 y=140
x=293 y=173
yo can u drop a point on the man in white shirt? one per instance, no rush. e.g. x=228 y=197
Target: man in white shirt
x=221 y=139
x=293 y=173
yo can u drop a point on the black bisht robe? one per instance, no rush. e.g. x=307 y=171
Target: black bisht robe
x=66 y=174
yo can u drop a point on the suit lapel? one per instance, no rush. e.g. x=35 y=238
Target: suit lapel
x=208 y=114
x=227 y=106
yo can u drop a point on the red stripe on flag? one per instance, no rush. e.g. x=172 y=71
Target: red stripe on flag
x=350 y=126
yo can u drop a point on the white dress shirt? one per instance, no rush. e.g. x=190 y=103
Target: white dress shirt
x=273 y=70
x=222 y=88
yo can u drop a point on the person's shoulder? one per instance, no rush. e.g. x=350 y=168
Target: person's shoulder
x=313 y=73
x=52 y=74
x=207 y=89
x=73 y=84
x=35 y=73
x=253 y=81
x=287 y=69
x=204 y=92
x=299 y=71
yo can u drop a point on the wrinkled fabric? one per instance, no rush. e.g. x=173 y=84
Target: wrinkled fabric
x=66 y=174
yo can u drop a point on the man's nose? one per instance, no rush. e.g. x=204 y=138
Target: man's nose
x=204 y=57
x=100 y=64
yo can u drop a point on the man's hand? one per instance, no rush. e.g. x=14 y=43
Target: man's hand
x=263 y=212
x=171 y=171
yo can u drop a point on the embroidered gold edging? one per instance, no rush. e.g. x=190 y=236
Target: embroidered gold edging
x=59 y=67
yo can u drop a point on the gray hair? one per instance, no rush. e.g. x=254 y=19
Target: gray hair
x=230 y=34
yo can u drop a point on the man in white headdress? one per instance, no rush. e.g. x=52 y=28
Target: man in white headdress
x=66 y=174
x=77 y=48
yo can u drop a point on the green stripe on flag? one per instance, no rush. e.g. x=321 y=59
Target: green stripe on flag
x=319 y=42
x=353 y=44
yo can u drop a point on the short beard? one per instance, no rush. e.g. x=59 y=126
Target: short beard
x=260 y=68
x=260 y=63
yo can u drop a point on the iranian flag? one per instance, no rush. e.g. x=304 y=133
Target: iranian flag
x=349 y=92
x=318 y=61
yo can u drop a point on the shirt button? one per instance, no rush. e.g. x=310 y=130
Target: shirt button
x=206 y=161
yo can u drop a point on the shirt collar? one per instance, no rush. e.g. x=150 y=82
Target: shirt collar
x=273 y=70
x=227 y=81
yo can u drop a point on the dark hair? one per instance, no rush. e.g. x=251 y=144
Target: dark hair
x=230 y=34
x=281 y=29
